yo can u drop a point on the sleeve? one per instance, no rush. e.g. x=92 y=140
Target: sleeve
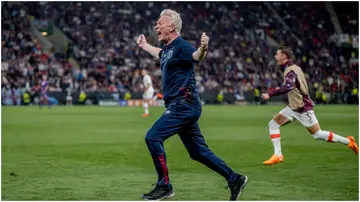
x=186 y=52
x=160 y=53
x=290 y=80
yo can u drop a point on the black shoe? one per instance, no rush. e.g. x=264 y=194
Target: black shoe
x=159 y=192
x=237 y=186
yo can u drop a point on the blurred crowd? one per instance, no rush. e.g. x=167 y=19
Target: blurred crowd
x=239 y=58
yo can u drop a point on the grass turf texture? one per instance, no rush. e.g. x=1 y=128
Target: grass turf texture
x=99 y=153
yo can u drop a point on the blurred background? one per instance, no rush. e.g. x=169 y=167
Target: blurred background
x=88 y=49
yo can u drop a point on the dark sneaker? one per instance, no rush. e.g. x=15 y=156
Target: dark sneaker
x=237 y=186
x=159 y=192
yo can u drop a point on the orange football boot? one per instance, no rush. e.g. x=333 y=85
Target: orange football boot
x=145 y=115
x=274 y=160
x=352 y=144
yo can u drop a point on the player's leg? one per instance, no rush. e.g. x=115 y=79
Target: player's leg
x=279 y=120
x=257 y=100
x=47 y=102
x=168 y=124
x=199 y=151
x=146 y=107
x=41 y=101
x=40 y=104
x=163 y=128
x=309 y=120
x=148 y=95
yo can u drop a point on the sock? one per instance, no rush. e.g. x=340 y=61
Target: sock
x=146 y=107
x=274 y=129
x=330 y=137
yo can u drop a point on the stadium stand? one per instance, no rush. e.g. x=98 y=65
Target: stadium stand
x=240 y=56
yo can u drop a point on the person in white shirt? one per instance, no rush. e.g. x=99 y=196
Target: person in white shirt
x=148 y=91
x=69 y=97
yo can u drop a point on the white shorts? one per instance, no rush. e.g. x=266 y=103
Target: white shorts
x=149 y=94
x=307 y=119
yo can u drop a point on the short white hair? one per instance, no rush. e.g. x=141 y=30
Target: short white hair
x=175 y=18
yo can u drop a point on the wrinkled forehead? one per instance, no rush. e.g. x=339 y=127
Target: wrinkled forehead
x=164 y=19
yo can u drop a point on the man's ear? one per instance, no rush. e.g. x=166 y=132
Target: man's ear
x=172 y=27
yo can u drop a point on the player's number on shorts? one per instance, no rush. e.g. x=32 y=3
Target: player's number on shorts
x=308 y=115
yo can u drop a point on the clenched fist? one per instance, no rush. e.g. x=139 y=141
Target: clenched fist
x=141 y=41
x=204 y=41
x=265 y=96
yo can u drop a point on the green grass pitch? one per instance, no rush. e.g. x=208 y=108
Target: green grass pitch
x=99 y=153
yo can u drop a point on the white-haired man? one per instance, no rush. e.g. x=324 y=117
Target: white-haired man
x=183 y=106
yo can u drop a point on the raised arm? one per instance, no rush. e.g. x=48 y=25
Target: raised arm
x=290 y=80
x=142 y=43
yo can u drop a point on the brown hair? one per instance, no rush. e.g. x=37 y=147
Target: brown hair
x=287 y=51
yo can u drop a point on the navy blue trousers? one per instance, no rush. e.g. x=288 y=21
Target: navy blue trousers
x=181 y=117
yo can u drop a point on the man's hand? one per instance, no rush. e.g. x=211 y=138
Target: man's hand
x=265 y=96
x=204 y=42
x=141 y=41
x=200 y=53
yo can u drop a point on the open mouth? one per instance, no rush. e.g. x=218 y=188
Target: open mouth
x=159 y=34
